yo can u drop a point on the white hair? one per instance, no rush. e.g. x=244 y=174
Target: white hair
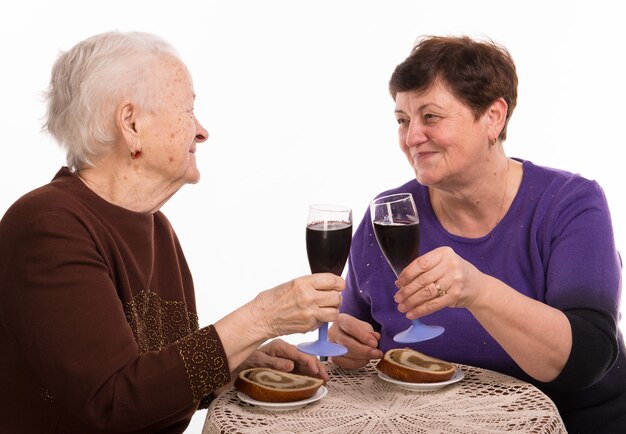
x=87 y=84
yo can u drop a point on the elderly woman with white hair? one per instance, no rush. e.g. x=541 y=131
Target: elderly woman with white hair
x=98 y=324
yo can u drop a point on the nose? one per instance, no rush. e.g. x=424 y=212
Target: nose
x=201 y=133
x=415 y=135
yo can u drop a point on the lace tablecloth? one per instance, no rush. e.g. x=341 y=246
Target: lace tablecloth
x=359 y=401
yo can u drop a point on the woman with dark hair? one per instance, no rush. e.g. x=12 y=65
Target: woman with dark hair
x=518 y=262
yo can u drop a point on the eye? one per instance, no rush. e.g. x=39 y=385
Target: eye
x=402 y=121
x=430 y=117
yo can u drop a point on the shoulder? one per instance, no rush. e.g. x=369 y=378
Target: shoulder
x=558 y=198
x=56 y=201
x=50 y=198
x=42 y=200
x=553 y=176
x=556 y=184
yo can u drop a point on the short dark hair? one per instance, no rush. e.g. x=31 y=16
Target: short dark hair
x=476 y=72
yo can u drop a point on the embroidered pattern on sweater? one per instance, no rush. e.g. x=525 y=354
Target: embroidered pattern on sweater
x=157 y=323
x=205 y=373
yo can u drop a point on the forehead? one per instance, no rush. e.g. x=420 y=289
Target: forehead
x=437 y=93
x=172 y=78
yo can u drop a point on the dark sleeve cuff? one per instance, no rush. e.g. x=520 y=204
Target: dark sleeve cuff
x=594 y=349
x=205 y=402
x=205 y=362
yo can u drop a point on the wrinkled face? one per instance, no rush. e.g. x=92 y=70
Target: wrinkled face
x=440 y=137
x=170 y=130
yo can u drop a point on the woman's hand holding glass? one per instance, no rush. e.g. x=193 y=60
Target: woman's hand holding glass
x=298 y=306
x=458 y=283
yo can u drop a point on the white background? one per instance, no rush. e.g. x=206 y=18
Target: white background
x=294 y=96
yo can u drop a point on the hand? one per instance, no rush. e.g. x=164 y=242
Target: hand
x=282 y=356
x=298 y=306
x=358 y=337
x=437 y=279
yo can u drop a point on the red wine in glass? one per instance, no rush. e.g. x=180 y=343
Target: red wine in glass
x=397 y=230
x=398 y=242
x=328 y=246
x=328 y=239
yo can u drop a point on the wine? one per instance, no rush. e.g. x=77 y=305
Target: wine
x=399 y=242
x=397 y=229
x=328 y=238
x=328 y=246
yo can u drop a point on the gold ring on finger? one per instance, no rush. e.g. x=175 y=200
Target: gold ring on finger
x=440 y=292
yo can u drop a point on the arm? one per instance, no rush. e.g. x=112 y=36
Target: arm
x=575 y=267
x=60 y=305
x=298 y=306
x=538 y=337
x=594 y=349
x=62 y=311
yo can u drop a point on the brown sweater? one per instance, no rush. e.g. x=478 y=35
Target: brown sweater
x=98 y=324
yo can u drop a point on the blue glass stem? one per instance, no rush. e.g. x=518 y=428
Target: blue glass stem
x=322 y=346
x=323 y=332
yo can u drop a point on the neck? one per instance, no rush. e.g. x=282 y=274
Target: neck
x=127 y=188
x=476 y=213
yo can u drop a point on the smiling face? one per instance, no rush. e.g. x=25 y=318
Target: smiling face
x=441 y=138
x=169 y=129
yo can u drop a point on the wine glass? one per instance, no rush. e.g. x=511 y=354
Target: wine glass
x=397 y=229
x=328 y=238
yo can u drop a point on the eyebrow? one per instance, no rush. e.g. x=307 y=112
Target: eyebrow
x=422 y=107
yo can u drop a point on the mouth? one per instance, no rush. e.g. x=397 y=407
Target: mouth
x=422 y=155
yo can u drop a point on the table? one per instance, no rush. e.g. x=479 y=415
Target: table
x=358 y=401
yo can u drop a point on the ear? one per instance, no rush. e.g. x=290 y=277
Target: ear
x=127 y=124
x=496 y=117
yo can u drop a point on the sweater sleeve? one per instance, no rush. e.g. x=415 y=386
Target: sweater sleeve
x=580 y=256
x=584 y=280
x=60 y=306
x=594 y=349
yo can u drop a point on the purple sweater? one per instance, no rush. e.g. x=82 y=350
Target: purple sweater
x=555 y=245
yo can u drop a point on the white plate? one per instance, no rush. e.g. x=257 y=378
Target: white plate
x=424 y=387
x=283 y=406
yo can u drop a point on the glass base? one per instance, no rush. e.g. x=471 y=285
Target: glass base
x=417 y=333
x=322 y=348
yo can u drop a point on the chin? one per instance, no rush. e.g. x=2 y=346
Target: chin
x=192 y=177
x=191 y=174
